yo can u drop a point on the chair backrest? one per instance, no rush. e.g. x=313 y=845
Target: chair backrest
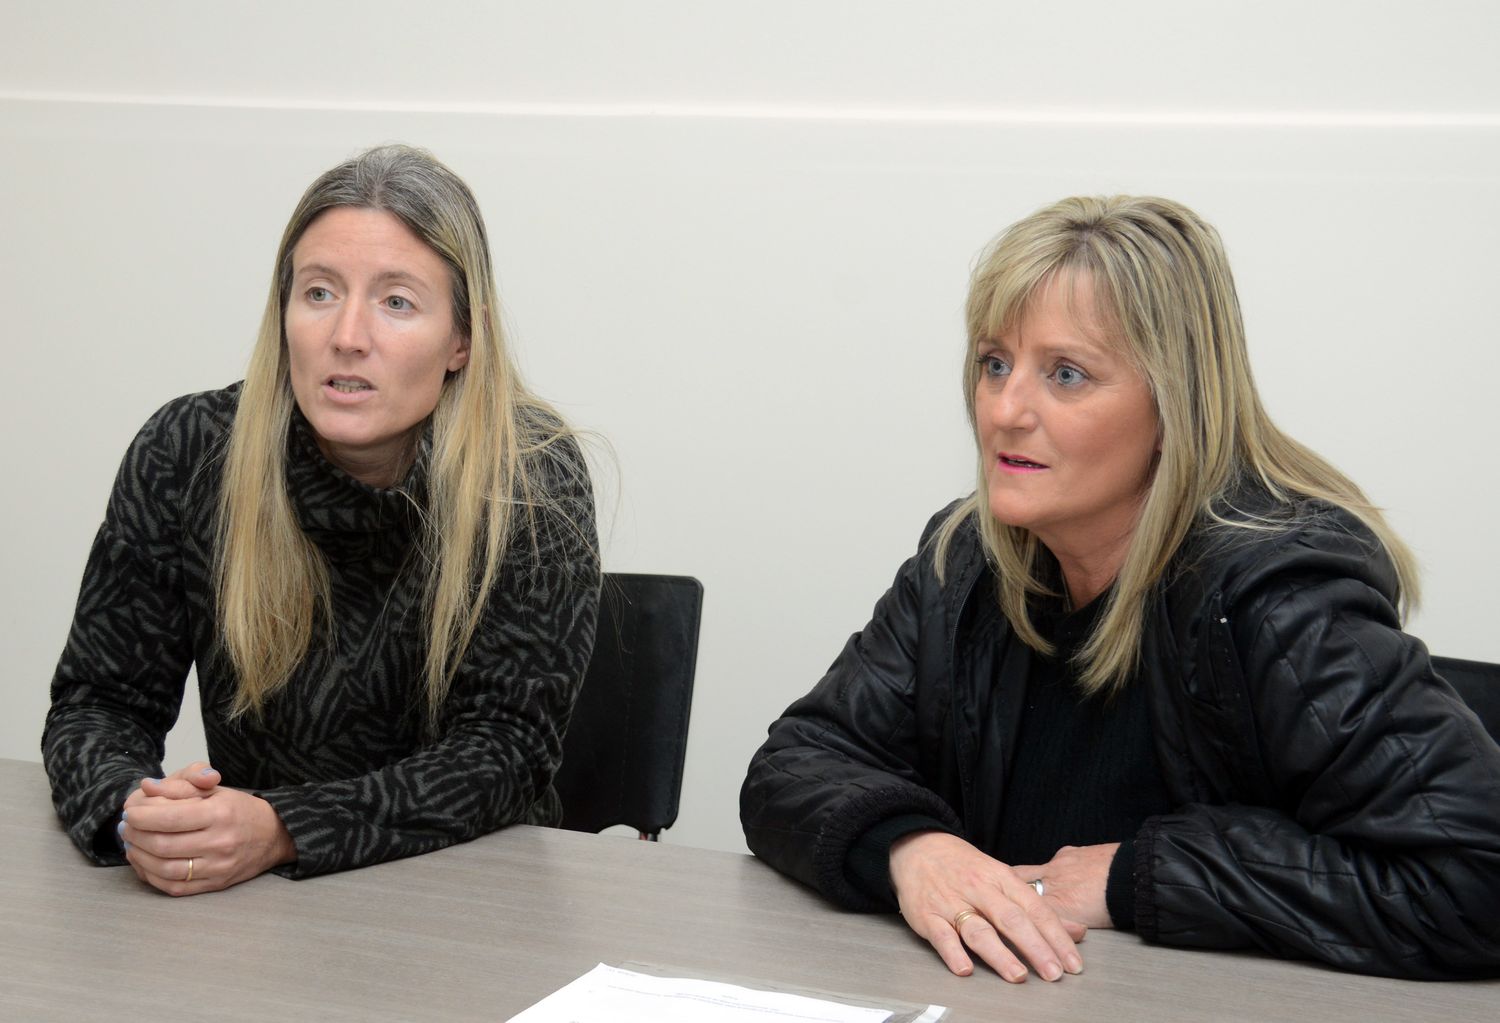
x=624 y=749
x=1479 y=684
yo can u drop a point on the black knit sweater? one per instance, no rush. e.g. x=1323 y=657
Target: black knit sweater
x=341 y=753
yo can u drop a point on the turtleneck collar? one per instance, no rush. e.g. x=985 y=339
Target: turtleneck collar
x=328 y=500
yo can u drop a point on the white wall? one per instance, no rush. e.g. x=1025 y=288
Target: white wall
x=734 y=240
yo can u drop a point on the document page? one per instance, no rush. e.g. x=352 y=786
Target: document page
x=622 y=996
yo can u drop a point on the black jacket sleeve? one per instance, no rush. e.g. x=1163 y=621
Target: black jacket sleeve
x=1378 y=847
x=845 y=757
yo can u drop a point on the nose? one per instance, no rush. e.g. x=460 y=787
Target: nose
x=351 y=330
x=1010 y=405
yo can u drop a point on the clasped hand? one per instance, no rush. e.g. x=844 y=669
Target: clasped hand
x=186 y=834
x=953 y=896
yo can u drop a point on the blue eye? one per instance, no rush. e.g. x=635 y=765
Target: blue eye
x=319 y=294
x=1069 y=376
x=397 y=303
x=993 y=366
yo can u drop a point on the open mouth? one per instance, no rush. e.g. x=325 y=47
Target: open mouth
x=344 y=386
x=1021 y=463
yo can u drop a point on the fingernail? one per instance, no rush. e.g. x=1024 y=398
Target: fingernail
x=1017 y=976
x=125 y=844
x=120 y=827
x=1050 y=971
x=156 y=780
x=207 y=770
x=1075 y=965
x=124 y=816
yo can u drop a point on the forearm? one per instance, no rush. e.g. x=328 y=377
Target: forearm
x=469 y=784
x=499 y=745
x=1225 y=877
x=93 y=759
x=117 y=688
x=804 y=809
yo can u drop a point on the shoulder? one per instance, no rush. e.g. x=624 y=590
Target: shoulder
x=555 y=489
x=1260 y=543
x=188 y=427
x=949 y=558
x=951 y=542
x=179 y=440
x=551 y=450
x=169 y=476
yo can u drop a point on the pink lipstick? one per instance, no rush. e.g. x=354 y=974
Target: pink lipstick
x=1017 y=463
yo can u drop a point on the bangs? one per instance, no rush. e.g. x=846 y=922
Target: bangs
x=1002 y=299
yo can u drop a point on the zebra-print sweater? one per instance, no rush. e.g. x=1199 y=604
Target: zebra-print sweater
x=340 y=752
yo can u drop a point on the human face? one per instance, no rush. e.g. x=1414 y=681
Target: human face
x=370 y=336
x=1067 y=430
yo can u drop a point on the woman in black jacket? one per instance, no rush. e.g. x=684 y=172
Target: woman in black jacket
x=377 y=550
x=1152 y=673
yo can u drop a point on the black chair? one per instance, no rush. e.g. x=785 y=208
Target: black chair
x=623 y=752
x=1479 y=684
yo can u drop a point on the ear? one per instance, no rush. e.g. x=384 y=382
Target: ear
x=460 y=356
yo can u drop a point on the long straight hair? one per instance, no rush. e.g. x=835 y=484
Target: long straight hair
x=1161 y=281
x=487 y=431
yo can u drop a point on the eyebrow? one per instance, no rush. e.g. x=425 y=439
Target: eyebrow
x=384 y=277
x=1079 y=348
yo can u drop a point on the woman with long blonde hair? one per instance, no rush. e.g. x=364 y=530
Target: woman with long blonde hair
x=378 y=551
x=1151 y=674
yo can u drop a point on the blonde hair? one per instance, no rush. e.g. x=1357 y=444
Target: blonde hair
x=487 y=433
x=1161 y=281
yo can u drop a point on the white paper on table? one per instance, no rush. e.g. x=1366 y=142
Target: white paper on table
x=622 y=996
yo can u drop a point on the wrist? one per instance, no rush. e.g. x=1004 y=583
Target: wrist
x=917 y=846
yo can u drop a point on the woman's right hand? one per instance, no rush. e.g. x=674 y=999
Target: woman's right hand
x=938 y=877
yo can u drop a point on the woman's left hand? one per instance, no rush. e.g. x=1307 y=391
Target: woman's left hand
x=185 y=840
x=1075 y=879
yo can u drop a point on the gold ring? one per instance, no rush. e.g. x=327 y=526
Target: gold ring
x=961 y=916
x=190 y=871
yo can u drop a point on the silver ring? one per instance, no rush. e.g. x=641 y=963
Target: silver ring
x=1041 y=889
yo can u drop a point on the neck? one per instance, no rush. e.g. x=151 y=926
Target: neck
x=1089 y=570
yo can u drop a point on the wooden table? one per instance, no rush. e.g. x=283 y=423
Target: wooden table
x=482 y=930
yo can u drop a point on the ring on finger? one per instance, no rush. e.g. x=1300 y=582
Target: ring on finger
x=961 y=916
x=1041 y=889
x=190 y=871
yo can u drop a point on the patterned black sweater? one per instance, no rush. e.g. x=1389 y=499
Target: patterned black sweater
x=341 y=751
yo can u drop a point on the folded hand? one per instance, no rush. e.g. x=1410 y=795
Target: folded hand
x=186 y=834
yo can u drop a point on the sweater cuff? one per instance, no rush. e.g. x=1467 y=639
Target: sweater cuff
x=1119 y=890
x=95 y=834
x=304 y=865
x=868 y=864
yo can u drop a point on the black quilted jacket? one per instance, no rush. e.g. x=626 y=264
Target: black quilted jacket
x=1335 y=798
x=341 y=752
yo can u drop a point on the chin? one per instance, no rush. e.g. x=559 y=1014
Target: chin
x=1007 y=514
x=334 y=432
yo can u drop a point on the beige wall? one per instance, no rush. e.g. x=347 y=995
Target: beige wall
x=733 y=239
